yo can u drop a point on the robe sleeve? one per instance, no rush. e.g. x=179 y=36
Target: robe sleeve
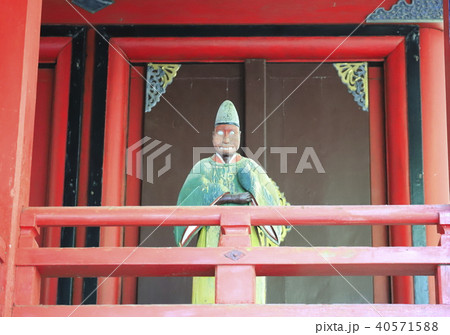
x=255 y=180
x=197 y=190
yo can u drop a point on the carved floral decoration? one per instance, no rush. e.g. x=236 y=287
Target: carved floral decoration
x=159 y=76
x=354 y=76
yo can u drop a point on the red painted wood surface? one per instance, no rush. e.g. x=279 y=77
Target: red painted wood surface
x=235 y=284
x=447 y=72
x=335 y=310
x=77 y=286
x=27 y=288
x=59 y=127
x=443 y=284
x=41 y=143
x=286 y=261
x=57 y=159
x=215 y=12
x=435 y=154
x=398 y=158
x=444 y=229
x=235 y=276
x=113 y=183
x=378 y=173
x=40 y=159
x=210 y=215
x=435 y=146
x=50 y=47
x=83 y=178
x=133 y=184
x=20 y=26
x=233 y=49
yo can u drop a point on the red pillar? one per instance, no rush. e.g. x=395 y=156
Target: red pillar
x=133 y=192
x=378 y=172
x=398 y=159
x=57 y=159
x=113 y=185
x=435 y=149
x=447 y=68
x=20 y=26
x=83 y=178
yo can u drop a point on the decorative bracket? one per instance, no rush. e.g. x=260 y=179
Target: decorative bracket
x=92 y=6
x=416 y=11
x=159 y=76
x=355 y=77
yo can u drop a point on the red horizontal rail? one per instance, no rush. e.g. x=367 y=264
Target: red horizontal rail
x=286 y=261
x=176 y=216
x=335 y=310
x=233 y=254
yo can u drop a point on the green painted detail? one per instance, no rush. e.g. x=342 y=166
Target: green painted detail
x=227 y=114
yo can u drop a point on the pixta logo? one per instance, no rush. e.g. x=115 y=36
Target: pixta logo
x=135 y=157
x=308 y=160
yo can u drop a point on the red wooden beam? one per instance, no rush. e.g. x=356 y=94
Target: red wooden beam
x=447 y=72
x=434 y=119
x=50 y=47
x=83 y=179
x=210 y=215
x=216 y=12
x=133 y=189
x=290 y=261
x=20 y=26
x=27 y=288
x=57 y=157
x=398 y=158
x=271 y=310
x=235 y=49
x=113 y=183
x=378 y=173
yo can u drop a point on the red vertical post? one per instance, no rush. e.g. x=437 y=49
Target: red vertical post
x=83 y=178
x=133 y=192
x=113 y=185
x=435 y=151
x=27 y=289
x=58 y=136
x=235 y=284
x=398 y=159
x=443 y=271
x=20 y=26
x=378 y=172
x=447 y=70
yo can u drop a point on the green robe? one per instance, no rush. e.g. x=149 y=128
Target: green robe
x=207 y=182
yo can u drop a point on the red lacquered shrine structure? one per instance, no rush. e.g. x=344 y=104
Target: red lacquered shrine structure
x=87 y=63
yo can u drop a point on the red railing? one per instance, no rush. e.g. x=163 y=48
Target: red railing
x=234 y=263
